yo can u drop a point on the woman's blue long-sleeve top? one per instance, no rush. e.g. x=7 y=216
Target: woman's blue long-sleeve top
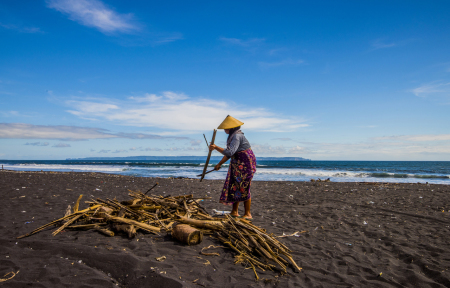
x=238 y=143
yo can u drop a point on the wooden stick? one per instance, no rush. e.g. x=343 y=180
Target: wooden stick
x=132 y=222
x=85 y=226
x=56 y=221
x=151 y=188
x=75 y=208
x=67 y=224
x=209 y=156
x=104 y=231
x=206 y=141
x=207 y=172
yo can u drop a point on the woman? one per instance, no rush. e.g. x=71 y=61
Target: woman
x=241 y=170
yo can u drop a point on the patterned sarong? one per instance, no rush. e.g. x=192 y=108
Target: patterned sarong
x=239 y=178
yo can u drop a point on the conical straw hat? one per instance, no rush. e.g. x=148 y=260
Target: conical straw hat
x=229 y=123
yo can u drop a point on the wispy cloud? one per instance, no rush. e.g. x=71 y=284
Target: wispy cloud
x=417 y=138
x=189 y=149
x=151 y=149
x=382 y=44
x=266 y=149
x=196 y=142
x=178 y=113
x=169 y=38
x=283 y=139
x=431 y=88
x=94 y=13
x=286 y=62
x=395 y=147
x=120 y=151
x=103 y=151
x=61 y=145
x=37 y=144
x=9 y=113
x=242 y=42
x=21 y=29
x=68 y=133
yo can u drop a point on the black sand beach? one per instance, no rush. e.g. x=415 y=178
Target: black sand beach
x=353 y=235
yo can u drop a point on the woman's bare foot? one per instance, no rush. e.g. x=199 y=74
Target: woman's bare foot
x=247 y=216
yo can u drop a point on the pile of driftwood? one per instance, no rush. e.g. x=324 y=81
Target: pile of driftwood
x=185 y=219
x=149 y=213
x=255 y=247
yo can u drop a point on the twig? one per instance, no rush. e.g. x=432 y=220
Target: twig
x=151 y=188
x=6 y=279
x=211 y=254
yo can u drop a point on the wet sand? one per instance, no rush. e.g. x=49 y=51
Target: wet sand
x=354 y=235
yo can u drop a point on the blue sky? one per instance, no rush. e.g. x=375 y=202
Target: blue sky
x=325 y=80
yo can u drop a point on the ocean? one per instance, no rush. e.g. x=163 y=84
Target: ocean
x=437 y=172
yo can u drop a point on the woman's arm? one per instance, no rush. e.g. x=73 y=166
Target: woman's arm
x=215 y=147
x=231 y=149
x=220 y=149
x=224 y=159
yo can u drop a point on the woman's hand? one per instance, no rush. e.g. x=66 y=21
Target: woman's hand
x=217 y=167
x=212 y=147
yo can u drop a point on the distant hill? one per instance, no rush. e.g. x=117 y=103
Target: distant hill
x=188 y=158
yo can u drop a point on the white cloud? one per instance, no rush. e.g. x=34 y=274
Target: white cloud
x=431 y=88
x=147 y=98
x=37 y=144
x=119 y=151
x=94 y=13
x=104 y=151
x=90 y=107
x=296 y=150
x=61 y=145
x=181 y=114
x=68 y=133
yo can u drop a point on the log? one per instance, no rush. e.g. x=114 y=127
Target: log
x=209 y=156
x=211 y=225
x=187 y=234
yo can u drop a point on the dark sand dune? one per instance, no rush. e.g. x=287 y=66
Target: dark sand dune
x=354 y=232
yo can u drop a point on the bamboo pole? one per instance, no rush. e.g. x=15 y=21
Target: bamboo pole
x=211 y=225
x=209 y=156
x=67 y=224
x=132 y=222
